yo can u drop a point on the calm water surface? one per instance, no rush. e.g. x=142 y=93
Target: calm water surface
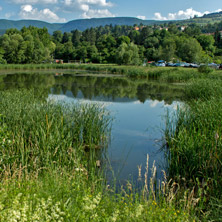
x=138 y=108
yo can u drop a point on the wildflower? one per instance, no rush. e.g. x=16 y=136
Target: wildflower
x=216 y=136
x=139 y=210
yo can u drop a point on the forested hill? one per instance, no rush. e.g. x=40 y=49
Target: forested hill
x=80 y=24
x=7 y=24
x=83 y=24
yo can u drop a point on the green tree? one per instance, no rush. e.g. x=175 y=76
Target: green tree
x=76 y=35
x=207 y=42
x=128 y=54
x=168 y=49
x=188 y=49
x=66 y=37
x=123 y=39
x=57 y=36
x=14 y=48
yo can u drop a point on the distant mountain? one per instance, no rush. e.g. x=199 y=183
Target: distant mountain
x=6 y=24
x=82 y=24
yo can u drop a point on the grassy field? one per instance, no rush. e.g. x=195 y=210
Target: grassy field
x=168 y=74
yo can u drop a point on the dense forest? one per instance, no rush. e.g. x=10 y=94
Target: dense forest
x=113 y=44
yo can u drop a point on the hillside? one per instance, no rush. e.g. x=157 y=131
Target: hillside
x=204 y=20
x=6 y=24
x=82 y=24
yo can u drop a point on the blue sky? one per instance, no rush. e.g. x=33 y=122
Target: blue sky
x=66 y=10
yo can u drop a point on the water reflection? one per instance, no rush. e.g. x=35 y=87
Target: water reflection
x=138 y=107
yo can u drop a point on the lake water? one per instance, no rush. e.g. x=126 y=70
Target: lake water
x=138 y=108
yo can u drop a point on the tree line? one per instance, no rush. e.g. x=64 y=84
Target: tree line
x=111 y=44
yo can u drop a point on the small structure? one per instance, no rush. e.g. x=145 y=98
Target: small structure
x=58 y=61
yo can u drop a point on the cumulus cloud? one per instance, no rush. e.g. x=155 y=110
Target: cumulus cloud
x=97 y=13
x=28 y=12
x=190 y=12
x=141 y=17
x=85 y=5
x=34 y=1
x=89 y=8
x=96 y=2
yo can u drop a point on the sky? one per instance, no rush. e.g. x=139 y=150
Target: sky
x=60 y=11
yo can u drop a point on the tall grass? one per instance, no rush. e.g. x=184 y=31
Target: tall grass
x=46 y=174
x=168 y=74
x=194 y=142
x=46 y=134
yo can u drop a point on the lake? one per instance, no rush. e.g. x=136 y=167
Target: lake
x=138 y=108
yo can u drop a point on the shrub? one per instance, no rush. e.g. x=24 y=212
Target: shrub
x=205 y=69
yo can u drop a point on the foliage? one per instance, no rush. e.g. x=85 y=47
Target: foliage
x=43 y=134
x=128 y=54
x=46 y=175
x=205 y=69
x=110 y=44
x=193 y=138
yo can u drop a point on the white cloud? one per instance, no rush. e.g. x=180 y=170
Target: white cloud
x=28 y=12
x=89 y=6
x=158 y=16
x=34 y=1
x=141 y=17
x=96 y=2
x=190 y=12
x=97 y=13
x=0 y=8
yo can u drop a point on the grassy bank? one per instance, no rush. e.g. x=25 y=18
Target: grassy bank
x=194 y=144
x=48 y=169
x=169 y=74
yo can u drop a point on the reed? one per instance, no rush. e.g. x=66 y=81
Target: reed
x=47 y=134
x=168 y=74
x=194 y=144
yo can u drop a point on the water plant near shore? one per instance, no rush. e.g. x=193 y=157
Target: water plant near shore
x=194 y=148
x=45 y=133
x=46 y=175
x=168 y=74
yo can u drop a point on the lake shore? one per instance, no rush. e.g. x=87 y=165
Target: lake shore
x=194 y=134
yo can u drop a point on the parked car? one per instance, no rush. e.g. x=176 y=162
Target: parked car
x=170 y=64
x=213 y=65
x=161 y=63
x=194 y=65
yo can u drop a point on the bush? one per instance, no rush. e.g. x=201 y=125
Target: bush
x=205 y=69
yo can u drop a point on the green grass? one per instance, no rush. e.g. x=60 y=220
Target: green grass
x=167 y=74
x=48 y=166
x=46 y=134
x=63 y=197
x=194 y=145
